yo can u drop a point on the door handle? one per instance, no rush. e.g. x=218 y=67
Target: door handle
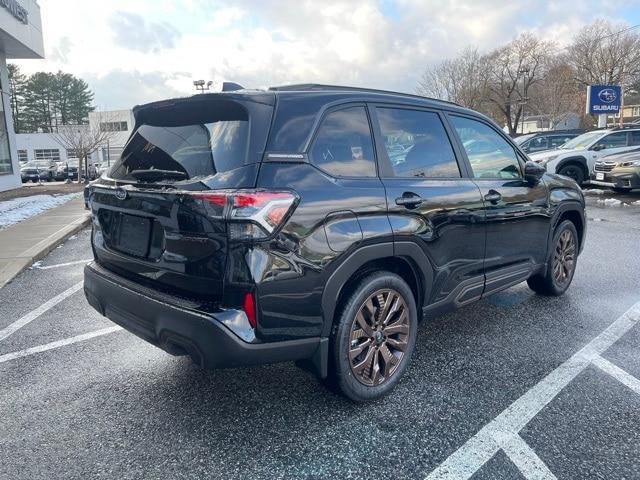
x=409 y=200
x=493 y=197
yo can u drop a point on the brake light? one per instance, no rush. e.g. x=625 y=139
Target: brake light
x=249 y=307
x=252 y=214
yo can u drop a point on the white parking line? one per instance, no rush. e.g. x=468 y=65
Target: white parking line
x=619 y=374
x=480 y=448
x=33 y=314
x=61 y=265
x=526 y=459
x=60 y=343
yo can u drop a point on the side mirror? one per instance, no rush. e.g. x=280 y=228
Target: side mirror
x=533 y=172
x=597 y=148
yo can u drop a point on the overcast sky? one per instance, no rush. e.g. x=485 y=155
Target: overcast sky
x=135 y=51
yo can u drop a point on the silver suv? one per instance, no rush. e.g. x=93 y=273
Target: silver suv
x=576 y=158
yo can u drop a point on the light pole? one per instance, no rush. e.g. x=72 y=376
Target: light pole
x=522 y=104
x=525 y=86
x=202 y=86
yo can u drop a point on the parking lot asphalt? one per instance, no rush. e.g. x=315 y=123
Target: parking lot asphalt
x=112 y=406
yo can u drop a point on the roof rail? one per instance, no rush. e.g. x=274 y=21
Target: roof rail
x=306 y=87
x=626 y=127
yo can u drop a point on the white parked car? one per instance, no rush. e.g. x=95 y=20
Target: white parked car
x=577 y=157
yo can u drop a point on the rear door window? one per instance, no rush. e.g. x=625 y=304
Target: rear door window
x=417 y=143
x=614 y=140
x=490 y=155
x=183 y=152
x=343 y=146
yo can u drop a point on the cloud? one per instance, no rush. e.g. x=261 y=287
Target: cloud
x=60 y=51
x=133 y=52
x=131 y=31
x=121 y=89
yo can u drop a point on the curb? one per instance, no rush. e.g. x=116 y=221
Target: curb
x=41 y=250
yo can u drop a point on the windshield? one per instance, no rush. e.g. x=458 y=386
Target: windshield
x=582 y=141
x=523 y=138
x=36 y=164
x=193 y=151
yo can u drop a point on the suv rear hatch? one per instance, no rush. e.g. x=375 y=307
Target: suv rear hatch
x=160 y=212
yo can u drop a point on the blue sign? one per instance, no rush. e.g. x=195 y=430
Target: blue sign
x=603 y=99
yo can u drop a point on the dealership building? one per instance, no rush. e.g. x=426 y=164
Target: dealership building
x=20 y=38
x=44 y=147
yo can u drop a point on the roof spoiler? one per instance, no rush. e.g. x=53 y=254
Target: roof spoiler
x=231 y=87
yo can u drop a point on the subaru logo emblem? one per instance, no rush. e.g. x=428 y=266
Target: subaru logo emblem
x=607 y=95
x=121 y=194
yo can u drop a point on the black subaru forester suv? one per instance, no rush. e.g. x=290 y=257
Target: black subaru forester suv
x=319 y=224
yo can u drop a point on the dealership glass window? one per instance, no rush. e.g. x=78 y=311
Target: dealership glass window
x=113 y=127
x=490 y=155
x=5 y=152
x=635 y=112
x=51 y=154
x=23 y=156
x=417 y=144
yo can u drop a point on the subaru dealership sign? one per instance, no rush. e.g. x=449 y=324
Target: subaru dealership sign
x=603 y=99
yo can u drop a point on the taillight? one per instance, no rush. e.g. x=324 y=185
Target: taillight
x=252 y=214
x=249 y=307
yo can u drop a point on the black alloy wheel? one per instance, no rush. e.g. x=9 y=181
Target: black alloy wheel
x=379 y=337
x=373 y=337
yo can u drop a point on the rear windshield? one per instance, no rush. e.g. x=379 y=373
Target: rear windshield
x=185 y=152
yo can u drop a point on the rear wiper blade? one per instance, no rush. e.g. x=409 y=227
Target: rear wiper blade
x=154 y=174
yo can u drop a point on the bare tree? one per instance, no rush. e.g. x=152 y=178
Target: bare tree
x=606 y=53
x=557 y=93
x=84 y=140
x=513 y=70
x=461 y=80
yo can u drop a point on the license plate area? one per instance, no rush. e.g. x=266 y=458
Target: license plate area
x=599 y=176
x=132 y=235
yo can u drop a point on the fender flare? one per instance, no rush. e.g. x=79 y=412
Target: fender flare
x=417 y=258
x=567 y=206
x=580 y=160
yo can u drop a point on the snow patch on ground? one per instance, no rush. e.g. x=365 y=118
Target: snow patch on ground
x=611 y=202
x=593 y=191
x=19 y=209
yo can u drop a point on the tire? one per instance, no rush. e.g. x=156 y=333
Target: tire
x=573 y=171
x=621 y=190
x=552 y=281
x=354 y=374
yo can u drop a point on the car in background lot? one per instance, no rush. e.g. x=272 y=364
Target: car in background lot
x=67 y=169
x=620 y=172
x=319 y=224
x=38 y=170
x=576 y=158
x=542 y=141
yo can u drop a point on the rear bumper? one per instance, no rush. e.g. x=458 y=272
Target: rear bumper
x=179 y=330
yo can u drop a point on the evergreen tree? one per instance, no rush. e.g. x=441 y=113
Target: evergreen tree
x=46 y=101
x=78 y=102
x=17 y=81
x=38 y=102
